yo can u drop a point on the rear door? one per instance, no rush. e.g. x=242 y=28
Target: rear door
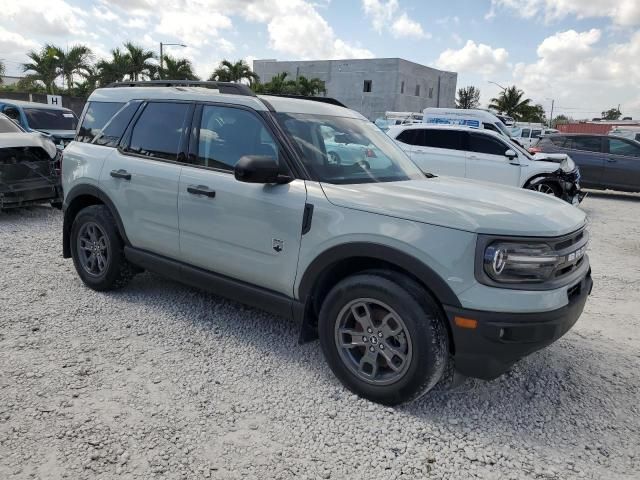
x=141 y=177
x=486 y=160
x=440 y=151
x=622 y=166
x=249 y=232
x=587 y=152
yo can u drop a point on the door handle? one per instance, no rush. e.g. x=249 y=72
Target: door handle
x=612 y=160
x=121 y=174
x=201 y=190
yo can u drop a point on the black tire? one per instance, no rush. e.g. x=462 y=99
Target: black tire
x=422 y=320
x=548 y=187
x=117 y=271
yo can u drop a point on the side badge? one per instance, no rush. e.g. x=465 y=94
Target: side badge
x=278 y=245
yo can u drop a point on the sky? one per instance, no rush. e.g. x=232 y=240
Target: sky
x=582 y=54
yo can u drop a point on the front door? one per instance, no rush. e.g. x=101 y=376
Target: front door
x=486 y=161
x=440 y=151
x=622 y=165
x=249 y=232
x=142 y=178
x=587 y=152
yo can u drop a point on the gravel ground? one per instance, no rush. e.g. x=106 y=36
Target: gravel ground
x=162 y=381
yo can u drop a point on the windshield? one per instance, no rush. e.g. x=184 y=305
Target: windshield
x=49 y=119
x=503 y=129
x=347 y=150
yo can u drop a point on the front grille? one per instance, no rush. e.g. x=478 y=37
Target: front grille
x=571 y=248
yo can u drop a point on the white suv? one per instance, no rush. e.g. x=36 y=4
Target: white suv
x=481 y=154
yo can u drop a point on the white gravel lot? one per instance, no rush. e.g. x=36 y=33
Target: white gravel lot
x=163 y=381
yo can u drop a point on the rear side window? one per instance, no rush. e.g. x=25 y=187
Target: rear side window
x=620 y=147
x=485 y=144
x=535 y=133
x=450 y=139
x=410 y=137
x=587 y=144
x=158 y=131
x=525 y=133
x=558 y=141
x=115 y=128
x=95 y=117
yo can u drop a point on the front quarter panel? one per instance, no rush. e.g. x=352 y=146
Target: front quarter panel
x=82 y=164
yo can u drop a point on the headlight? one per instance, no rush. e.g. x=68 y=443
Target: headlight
x=511 y=262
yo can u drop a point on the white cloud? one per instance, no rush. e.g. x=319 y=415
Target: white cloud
x=104 y=13
x=381 y=12
x=474 y=58
x=43 y=17
x=136 y=22
x=404 y=27
x=621 y=12
x=192 y=27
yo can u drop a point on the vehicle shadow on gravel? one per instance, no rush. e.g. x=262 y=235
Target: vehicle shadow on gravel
x=614 y=195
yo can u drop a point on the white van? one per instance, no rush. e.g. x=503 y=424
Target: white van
x=530 y=135
x=474 y=118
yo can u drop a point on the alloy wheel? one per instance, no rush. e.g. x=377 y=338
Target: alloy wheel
x=93 y=249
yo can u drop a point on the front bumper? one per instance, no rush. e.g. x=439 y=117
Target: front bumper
x=501 y=339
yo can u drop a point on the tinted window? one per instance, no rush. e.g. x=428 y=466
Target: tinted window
x=620 y=147
x=409 y=137
x=587 y=144
x=158 y=131
x=95 y=117
x=491 y=127
x=227 y=134
x=525 y=133
x=535 y=133
x=558 y=141
x=114 y=129
x=7 y=126
x=485 y=144
x=450 y=139
x=49 y=119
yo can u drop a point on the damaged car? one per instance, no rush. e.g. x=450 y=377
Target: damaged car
x=481 y=154
x=29 y=167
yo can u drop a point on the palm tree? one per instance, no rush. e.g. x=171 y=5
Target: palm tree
x=234 y=72
x=309 y=87
x=113 y=70
x=138 y=61
x=510 y=102
x=177 y=69
x=76 y=60
x=44 y=65
x=279 y=84
x=468 y=97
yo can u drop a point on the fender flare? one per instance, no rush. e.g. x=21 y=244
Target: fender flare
x=433 y=281
x=69 y=214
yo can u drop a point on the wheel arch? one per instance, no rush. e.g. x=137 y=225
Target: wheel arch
x=78 y=198
x=551 y=176
x=340 y=261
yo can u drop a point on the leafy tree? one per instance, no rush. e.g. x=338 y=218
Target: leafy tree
x=468 y=97
x=113 y=70
x=560 y=120
x=177 y=69
x=309 y=86
x=138 y=64
x=44 y=67
x=534 y=114
x=611 y=114
x=234 y=72
x=76 y=60
x=511 y=102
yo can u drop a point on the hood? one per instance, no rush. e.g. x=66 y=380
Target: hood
x=462 y=204
x=27 y=139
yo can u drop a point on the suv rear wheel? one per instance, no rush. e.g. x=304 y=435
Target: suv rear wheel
x=383 y=337
x=97 y=250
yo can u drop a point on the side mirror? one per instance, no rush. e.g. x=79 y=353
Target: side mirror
x=259 y=169
x=511 y=155
x=12 y=113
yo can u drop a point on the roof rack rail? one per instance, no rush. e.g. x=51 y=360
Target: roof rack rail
x=223 y=87
x=329 y=100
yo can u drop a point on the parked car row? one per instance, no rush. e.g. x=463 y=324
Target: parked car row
x=306 y=209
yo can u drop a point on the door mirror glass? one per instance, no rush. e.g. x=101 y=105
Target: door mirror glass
x=259 y=169
x=511 y=154
x=12 y=113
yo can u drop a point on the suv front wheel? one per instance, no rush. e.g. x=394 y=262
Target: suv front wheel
x=98 y=251
x=383 y=337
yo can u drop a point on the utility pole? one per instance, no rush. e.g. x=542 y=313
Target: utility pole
x=551 y=116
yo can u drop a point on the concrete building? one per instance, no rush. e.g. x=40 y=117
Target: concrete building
x=372 y=86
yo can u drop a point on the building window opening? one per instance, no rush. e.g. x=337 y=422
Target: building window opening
x=417 y=90
x=402 y=87
x=367 y=86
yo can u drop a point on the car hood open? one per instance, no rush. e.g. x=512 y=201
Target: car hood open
x=462 y=204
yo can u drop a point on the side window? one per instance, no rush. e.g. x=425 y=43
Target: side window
x=485 y=144
x=226 y=134
x=587 y=144
x=409 y=137
x=450 y=139
x=535 y=133
x=620 y=147
x=95 y=117
x=158 y=131
x=525 y=133
x=115 y=128
x=558 y=141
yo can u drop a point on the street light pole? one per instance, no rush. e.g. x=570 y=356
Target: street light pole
x=496 y=83
x=161 y=54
